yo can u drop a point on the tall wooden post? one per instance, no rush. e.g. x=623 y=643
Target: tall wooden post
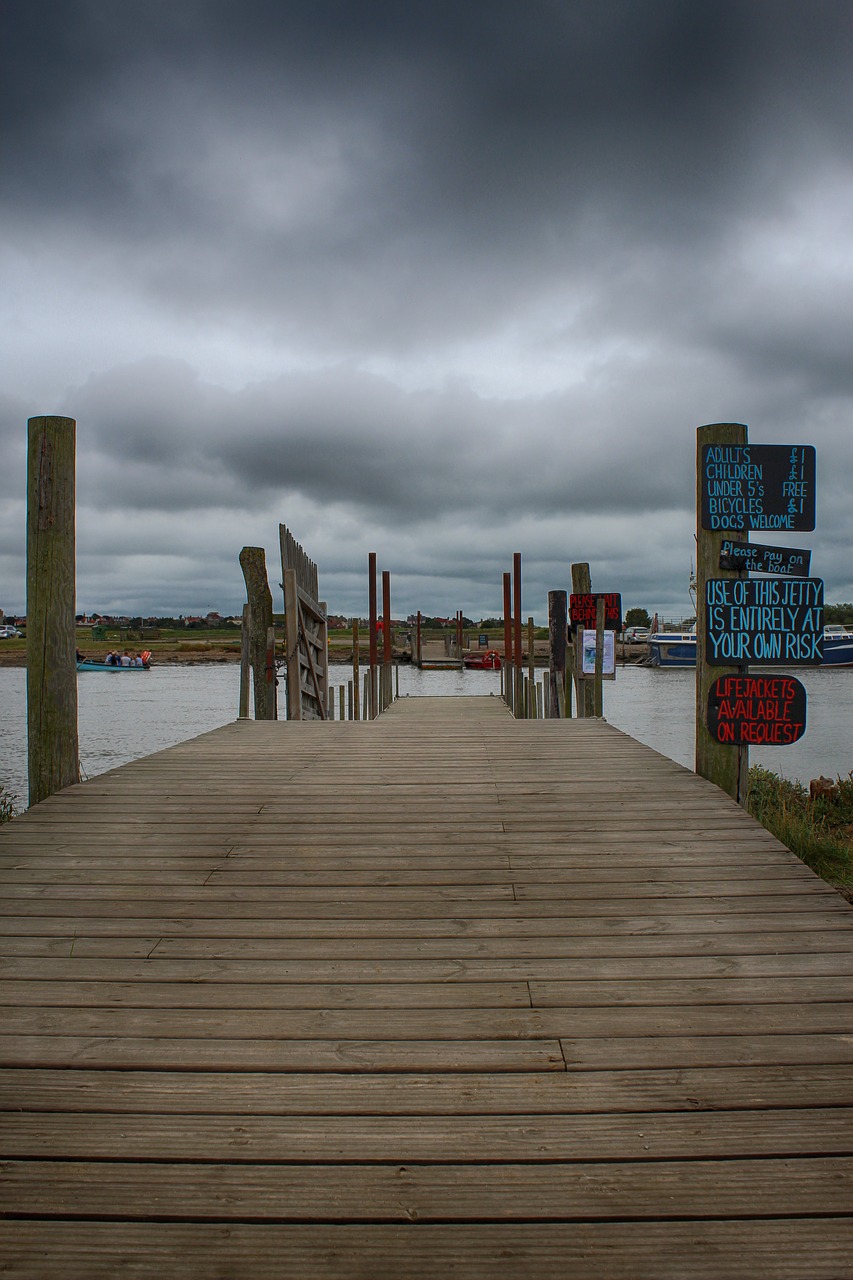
x=508 y=676
x=721 y=763
x=52 y=746
x=245 y=665
x=531 y=670
x=386 y=639
x=582 y=585
x=418 y=639
x=518 y=691
x=598 y=679
x=254 y=565
x=557 y=622
x=374 y=645
x=356 y=657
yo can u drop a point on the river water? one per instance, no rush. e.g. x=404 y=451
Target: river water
x=123 y=717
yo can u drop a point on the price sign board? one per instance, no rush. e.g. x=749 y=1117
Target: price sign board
x=582 y=608
x=764 y=621
x=757 y=710
x=751 y=557
x=758 y=486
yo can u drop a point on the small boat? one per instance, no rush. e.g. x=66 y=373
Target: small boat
x=90 y=664
x=672 y=649
x=837 y=646
x=490 y=660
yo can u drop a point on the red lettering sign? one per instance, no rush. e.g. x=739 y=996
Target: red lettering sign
x=757 y=710
x=582 y=607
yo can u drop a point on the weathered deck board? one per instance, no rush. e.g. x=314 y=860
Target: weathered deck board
x=444 y=994
x=702 y=1250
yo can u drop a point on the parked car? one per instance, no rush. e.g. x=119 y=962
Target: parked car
x=9 y=633
x=636 y=635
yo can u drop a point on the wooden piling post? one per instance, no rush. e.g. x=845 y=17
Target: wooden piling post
x=721 y=763
x=356 y=687
x=244 y=665
x=374 y=647
x=598 y=678
x=254 y=566
x=557 y=623
x=52 y=745
x=582 y=585
x=507 y=682
x=386 y=639
x=531 y=669
x=518 y=694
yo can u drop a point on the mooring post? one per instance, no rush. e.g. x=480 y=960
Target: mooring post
x=531 y=670
x=386 y=640
x=598 y=680
x=507 y=681
x=518 y=692
x=374 y=647
x=356 y=690
x=254 y=565
x=557 y=622
x=719 y=762
x=244 y=665
x=52 y=745
x=585 y=701
x=269 y=675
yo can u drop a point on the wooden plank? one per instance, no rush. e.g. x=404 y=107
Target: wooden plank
x=791 y=1020
x=689 y=934
x=582 y=1191
x=827 y=973
x=377 y=994
x=615 y=1092
x=100 y=1250
x=739 y=1049
x=486 y=903
x=240 y=1139
x=186 y=1052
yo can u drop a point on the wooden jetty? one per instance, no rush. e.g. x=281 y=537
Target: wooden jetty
x=443 y=994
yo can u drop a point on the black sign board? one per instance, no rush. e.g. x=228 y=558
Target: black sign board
x=757 y=710
x=758 y=486
x=751 y=557
x=582 y=606
x=767 y=621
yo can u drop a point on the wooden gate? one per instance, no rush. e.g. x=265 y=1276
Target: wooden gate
x=306 y=633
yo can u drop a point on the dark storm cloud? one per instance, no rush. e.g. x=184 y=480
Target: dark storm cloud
x=155 y=437
x=385 y=173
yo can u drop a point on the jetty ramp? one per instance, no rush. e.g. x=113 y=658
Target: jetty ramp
x=444 y=994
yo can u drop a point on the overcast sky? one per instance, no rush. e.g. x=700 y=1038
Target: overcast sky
x=440 y=280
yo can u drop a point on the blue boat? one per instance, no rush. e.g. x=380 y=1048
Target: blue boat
x=672 y=649
x=678 y=648
x=89 y=664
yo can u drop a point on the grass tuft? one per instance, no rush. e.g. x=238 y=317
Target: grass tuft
x=7 y=806
x=818 y=831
